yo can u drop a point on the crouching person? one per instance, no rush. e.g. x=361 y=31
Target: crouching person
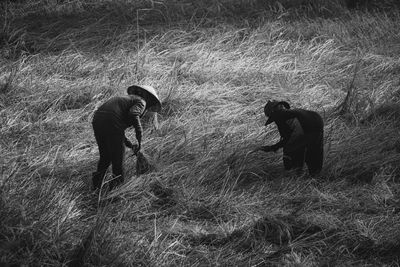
x=301 y=134
x=109 y=123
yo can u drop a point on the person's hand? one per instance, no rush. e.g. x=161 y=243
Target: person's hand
x=136 y=148
x=263 y=148
x=129 y=144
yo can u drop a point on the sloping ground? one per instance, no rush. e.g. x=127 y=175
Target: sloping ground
x=209 y=201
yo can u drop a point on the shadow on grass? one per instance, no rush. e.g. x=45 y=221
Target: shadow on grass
x=92 y=26
x=242 y=170
x=47 y=214
x=288 y=233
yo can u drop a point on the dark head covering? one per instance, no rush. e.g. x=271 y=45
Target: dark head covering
x=271 y=106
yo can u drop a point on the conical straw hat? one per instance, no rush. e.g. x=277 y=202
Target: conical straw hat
x=154 y=103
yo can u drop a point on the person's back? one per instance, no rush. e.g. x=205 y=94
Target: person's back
x=118 y=108
x=310 y=121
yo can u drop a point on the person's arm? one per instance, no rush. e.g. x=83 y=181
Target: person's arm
x=274 y=147
x=283 y=115
x=285 y=131
x=128 y=143
x=135 y=112
x=282 y=142
x=280 y=117
x=269 y=121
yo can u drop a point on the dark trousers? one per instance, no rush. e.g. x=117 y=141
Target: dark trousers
x=306 y=148
x=315 y=152
x=110 y=141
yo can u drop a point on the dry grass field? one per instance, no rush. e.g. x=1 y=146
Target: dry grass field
x=210 y=202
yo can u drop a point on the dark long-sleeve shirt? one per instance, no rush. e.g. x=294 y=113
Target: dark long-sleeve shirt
x=286 y=130
x=310 y=121
x=125 y=112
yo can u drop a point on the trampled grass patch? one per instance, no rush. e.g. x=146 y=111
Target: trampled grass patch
x=208 y=200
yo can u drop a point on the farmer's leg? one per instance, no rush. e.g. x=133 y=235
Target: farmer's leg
x=315 y=153
x=298 y=159
x=105 y=157
x=294 y=150
x=287 y=161
x=117 y=148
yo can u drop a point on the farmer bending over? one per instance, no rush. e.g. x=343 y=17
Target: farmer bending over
x=109 y=123
x=301 y=134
